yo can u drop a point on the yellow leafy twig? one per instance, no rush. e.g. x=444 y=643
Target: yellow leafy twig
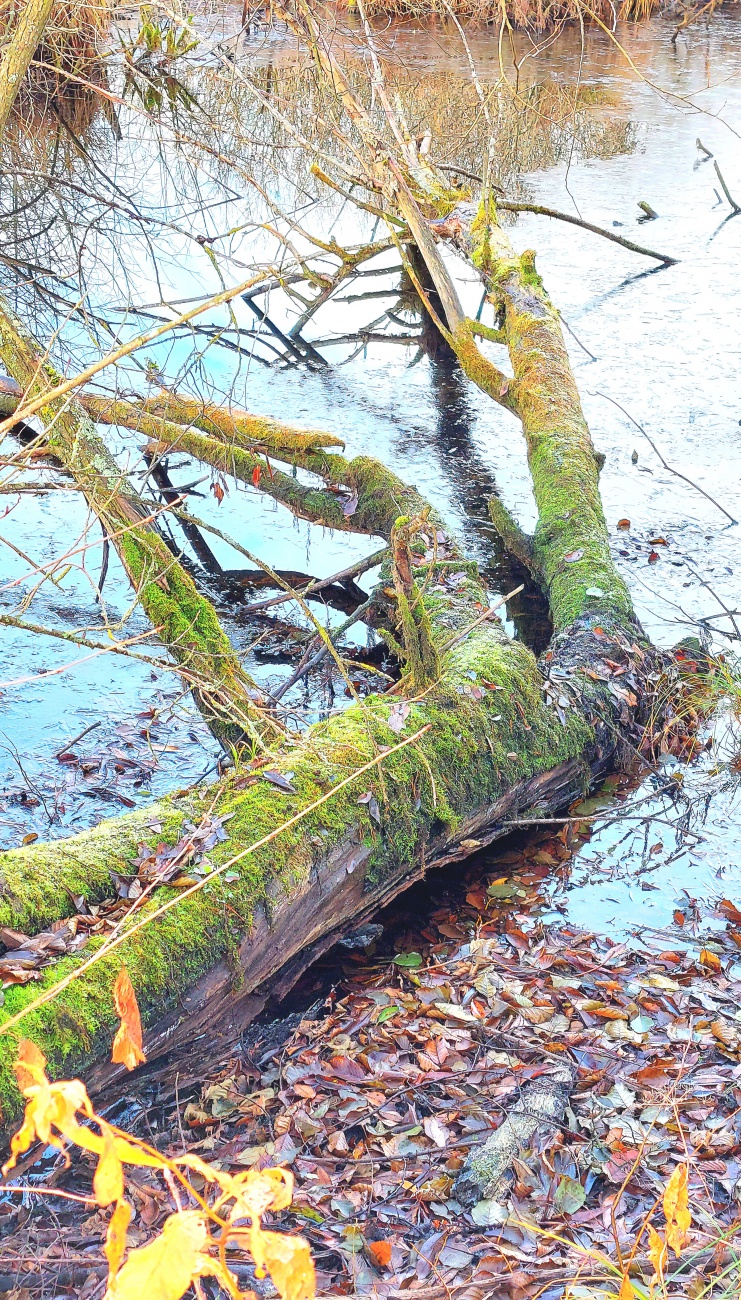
x=185 y=1249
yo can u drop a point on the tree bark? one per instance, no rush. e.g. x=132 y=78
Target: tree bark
x=19 y=52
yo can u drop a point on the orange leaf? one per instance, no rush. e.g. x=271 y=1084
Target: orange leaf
x=710 y=959
x=115 y=1240
x=381 y=1252
x=289 y=1263
x=626 y=1291
x=657 y=1252
x=127 y=1045
x=108 y=1183
x=29 y=1061
x=676 y=1209
x=256 y=476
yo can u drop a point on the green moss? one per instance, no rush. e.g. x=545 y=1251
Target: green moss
x=480 y=741
x=241 y=428
x=571 y=542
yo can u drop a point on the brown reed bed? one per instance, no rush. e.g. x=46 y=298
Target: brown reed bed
x=531 y=15
x=67 y=59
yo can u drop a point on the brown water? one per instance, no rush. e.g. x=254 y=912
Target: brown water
x=662 y=342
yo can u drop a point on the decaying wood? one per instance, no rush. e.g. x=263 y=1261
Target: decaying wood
x=540 y=1105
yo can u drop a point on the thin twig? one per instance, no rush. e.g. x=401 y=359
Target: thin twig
x=668 y=467
x=66 y=748
x=724 y=187
x=353 y=571
x=323 y=651
x=540 y=211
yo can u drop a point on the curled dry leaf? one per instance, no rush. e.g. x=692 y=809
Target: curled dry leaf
x=435 y=1129
x=127 y=1045
x=398 y=716
x=657 y=1253
x=380 y=1252
x=289 y=1263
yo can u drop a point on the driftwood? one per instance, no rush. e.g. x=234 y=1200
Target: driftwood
x=498 y=735
x=541 y=1104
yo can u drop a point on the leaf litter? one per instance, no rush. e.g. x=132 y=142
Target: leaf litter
x=375 y=1096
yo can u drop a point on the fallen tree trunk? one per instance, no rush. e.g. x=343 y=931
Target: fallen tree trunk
x=497 y=748
x=503 y=735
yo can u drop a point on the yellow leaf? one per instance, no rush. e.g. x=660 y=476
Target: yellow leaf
x=127 y=1045
x=289 y=1263
x=163 y=1269
x=268 y=1189
x=115 y=1241
x=626 y=1289
x=108 y=1183
x=49 y=1106
x=676 y=1209
x=657 y=1253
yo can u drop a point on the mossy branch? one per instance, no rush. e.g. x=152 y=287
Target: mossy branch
x=239 y=428
x=186 y=621
x=517 y=542
x=419 y=650
x=381 y=495
x=570 y=547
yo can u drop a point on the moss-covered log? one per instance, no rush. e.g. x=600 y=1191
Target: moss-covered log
x=507 y=736
x=497 y=748
x=185 y=620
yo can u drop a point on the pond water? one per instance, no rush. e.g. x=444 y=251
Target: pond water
x=663 y=343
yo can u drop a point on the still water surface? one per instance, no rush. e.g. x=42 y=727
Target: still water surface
x=664 y=343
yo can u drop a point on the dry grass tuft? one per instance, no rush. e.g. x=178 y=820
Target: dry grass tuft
x=70 y=49
x=533 y=15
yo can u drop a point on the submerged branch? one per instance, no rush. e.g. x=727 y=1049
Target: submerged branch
x=508 y=205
